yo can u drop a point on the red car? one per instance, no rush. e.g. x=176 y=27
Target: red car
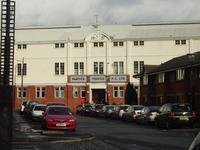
x=59 y=117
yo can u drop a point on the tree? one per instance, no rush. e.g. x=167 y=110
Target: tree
x=130 y=94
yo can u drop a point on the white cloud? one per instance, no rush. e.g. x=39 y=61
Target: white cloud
x=64 y=12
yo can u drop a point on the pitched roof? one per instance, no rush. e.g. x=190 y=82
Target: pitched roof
x=137 y=31
x=178 y=62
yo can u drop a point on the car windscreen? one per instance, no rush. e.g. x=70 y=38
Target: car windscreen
x=60 y=104
x=88 y=106
x=154 y=109
x=123 y=107
x=137 y=108
x=42 y=108
x=58 y=111
x=98 y=106
x=181 y=108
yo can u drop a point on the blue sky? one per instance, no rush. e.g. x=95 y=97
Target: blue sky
x=82 y=12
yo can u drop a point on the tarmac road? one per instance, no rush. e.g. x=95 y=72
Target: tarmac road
x=113 y=135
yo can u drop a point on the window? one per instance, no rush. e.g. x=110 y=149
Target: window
x=115 y=91
x=78 y=68
x=40 y=92
x=22 y=46
x=115 y=43
x=95 y=67
x=81 y=68
x=24 y=93
x=19 y=46
x=135 y=66
x=78 y=44
x=81 y=44
x=118 y=92
x=98 y=44
x=101 y=68
x=183 y=42
x=137 y=43
x=115 y=70
x=138 y=66
x=180 y=73
x=59 y=45
x=75 y=44
x=98 y=68
x=161 y=77
x=83 y=92
x=59 y=92
x=141 y=42
x=121 y=91
x=62 y=45
x=121 y=67
x=95 y=44
x=59 y=68
x=118 y=43
x=56 y=45
x=121 y=43
x=21 y=70
x=145 y=80
x=75 y=92
x=180 y=42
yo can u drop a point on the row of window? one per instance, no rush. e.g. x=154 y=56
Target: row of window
x=40 y=92
x=118 y=92
x=98 y=68
x=79 y=68
x=180 y=74
x=101 y=44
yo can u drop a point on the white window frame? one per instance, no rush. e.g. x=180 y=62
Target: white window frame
x=24 y=94
x=161 y=77
x=59 y=92
x=75 y=92
x=118 y=91
x=83 y=90
x=180 y=74
x=40 y=92
x=59 y=68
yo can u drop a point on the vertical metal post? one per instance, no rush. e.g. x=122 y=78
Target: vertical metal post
x=6 y=72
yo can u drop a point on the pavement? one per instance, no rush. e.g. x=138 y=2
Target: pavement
x=26 y=138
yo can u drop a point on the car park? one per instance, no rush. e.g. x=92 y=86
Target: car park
x=132 y=112
x=59 y=117
x=148 y=114
x=37 y=111
x=175 y=115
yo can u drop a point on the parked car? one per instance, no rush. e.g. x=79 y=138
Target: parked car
x=119 y=110
x=23 y=104
x=148 y=114
x=132 y=112
x=37 y=111
x=55 y=103
x=28 y=109
x=96 y=109
x=59 y=117
x=174 y=115
x=85 y=109
x=106 y=111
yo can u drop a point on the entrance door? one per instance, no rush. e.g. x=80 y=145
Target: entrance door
x=98 y=96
